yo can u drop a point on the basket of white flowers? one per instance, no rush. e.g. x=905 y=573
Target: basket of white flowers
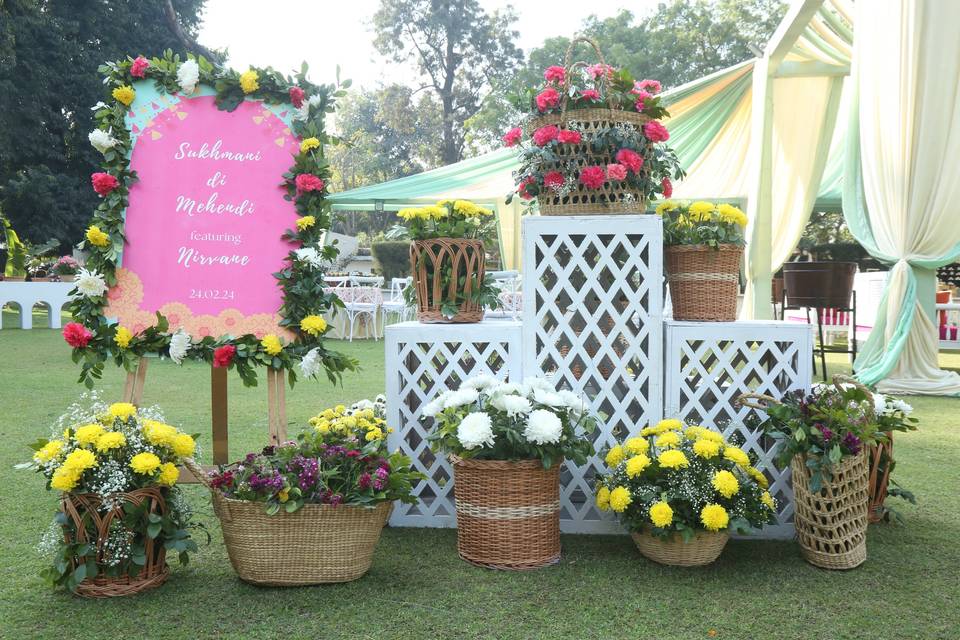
x=507 y=442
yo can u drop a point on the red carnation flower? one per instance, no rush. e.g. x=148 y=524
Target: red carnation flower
x=296 y=96
x=555 y=73
x=592 y=177
x=512 y=137
x=77 y=335
x=548 y=99
x=553 y=180
x=308 y=182
x=630 y=159
x=667 y=187
x=139 y=67
x=522 y=189
x=104 y=183
x=223 y=356
x=656 y=132
x=590 y=94
x=616 y=172
x=545 y=135
x=566 y=136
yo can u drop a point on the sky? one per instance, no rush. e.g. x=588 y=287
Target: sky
x=283 y=33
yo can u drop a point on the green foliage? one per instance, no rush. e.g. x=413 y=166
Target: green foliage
x=392 y=258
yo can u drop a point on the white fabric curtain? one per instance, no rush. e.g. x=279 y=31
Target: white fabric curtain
x=907 y=70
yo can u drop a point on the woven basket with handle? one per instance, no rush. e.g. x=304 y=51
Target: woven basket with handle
x=316 y=544
x=612 y=197
x=508 y=512
x=704 y=548
x=446 y=269
x=704 y=282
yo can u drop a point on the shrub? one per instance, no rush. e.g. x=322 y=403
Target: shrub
x=392 y=258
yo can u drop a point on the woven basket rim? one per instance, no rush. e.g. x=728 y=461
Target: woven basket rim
x=589 y=113
x=449 y=239
x=526 y=463
x=682 y=248
x=310 y=506
x=675 y=536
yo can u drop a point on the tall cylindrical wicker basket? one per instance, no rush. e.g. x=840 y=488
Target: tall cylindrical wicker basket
x=508 y=513
x=704 y=281
x=881 y=463
x=445 y=269
x=705 y=547
x=85 y=510
x=832 y=523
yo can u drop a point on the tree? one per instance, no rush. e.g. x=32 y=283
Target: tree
x=49 y=54
x=460 y=51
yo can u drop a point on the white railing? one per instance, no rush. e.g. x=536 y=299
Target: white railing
x=50 y=295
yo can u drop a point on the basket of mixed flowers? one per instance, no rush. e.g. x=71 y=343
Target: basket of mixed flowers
x=595 y=144
x=681 y=490
x=121 y=511
x=311 y=511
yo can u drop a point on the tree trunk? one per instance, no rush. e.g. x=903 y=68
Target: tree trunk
x=450 y=154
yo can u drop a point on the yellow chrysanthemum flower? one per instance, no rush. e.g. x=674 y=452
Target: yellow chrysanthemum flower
x=767 y=499
x=661 y=515
x=248 y=81
x=308 y=144
x=271 y=344
x=692 y=433
x=159 y=434
x=712 y=436
x=145 y=463
x=603 y=499
x=714 y=517
x=636 y=445
x=736 y=454
x=80 y=460
x=374 y=434
x=706 y=448
x=314 y=325
x=65 y=479
x=169 y=474
x=124 y=94
x=305 y=222
x=122 y=410
x=668 y=439
x=731 y=214
x=88 y=434
x=637 y=464
x=665 y=206
x=183 y=445
x=758 y=477
x=96 y=237
x=434 y=213
x=725 y=483
x=620 y=499
x=110 y=440
x=122 y=337
x=322 y=427
x=408 y=213
x=672 y=459
x=669 y=424
x=701 y=211
x=615 y=456
x=49 y=451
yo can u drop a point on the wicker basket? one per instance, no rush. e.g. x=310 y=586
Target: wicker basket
x=508 y=513
x=704 y=282
x=705 y=547
x=84 y=509
x=881 y=463
x=612 y=197
x=832 y=524
x=459 y=262
x=317 y=544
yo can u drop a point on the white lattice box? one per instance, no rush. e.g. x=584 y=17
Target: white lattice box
x=592 y=296
x=708 y=365
x=423 y=360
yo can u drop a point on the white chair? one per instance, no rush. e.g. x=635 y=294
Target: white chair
x=511 y=299
x=366 y=281
x=360 y=303
x=396 y=304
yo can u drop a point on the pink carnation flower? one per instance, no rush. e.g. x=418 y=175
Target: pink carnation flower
x=592 y=177
x=545 y=135
x=630 y=159
x=667 y=187
x=77 y=335
x=139 y=67
x=554 y=74
x=590 y=94
x=522 y=189
x=308 y=182
x=641 y=102
x=568 y=136
x=656 y=132
x=104 y=183
x=653 y=86
x=296 y=96
x=512 y=137
x=553 y=180
x=596 y=70
x=548 y=99
x=616 y=172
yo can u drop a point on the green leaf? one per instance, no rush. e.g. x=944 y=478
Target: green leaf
x=154 y=529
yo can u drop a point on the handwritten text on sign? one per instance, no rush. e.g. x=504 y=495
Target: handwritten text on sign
x=204 y=222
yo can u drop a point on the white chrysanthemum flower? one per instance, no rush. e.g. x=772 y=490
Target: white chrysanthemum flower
x=550 y=398
x=506 y=388
x=310 y=363
x=512 y=405
x=900 y=405
x=475 y=430
x=310 y=256
x=480 y=382
x=90 y=284
x=433 y=408
x=100 y=105
x=188 y=75
x=460 y=397
x=533 y=383
x=101 y=140
x=880 y=404
x=543 y=427
x=179 y=345
x=576 y=404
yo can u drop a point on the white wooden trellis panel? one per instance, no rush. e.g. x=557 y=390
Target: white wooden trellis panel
x=592 y=303
x=422 y=361
x=708 y=366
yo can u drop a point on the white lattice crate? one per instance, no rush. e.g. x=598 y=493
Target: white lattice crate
x=592 y=301
x=708 y=365
x=422 y=361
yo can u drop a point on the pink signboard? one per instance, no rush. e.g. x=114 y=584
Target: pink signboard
x=204 y=221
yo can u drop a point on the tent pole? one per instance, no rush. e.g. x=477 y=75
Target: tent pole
x=761 y=237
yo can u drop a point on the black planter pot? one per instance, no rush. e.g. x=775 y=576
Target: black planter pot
x=819 y=284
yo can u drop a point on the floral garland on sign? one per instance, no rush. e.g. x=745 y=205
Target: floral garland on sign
x=95 y=339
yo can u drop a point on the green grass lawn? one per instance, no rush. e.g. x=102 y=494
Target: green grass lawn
x=418 y=588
